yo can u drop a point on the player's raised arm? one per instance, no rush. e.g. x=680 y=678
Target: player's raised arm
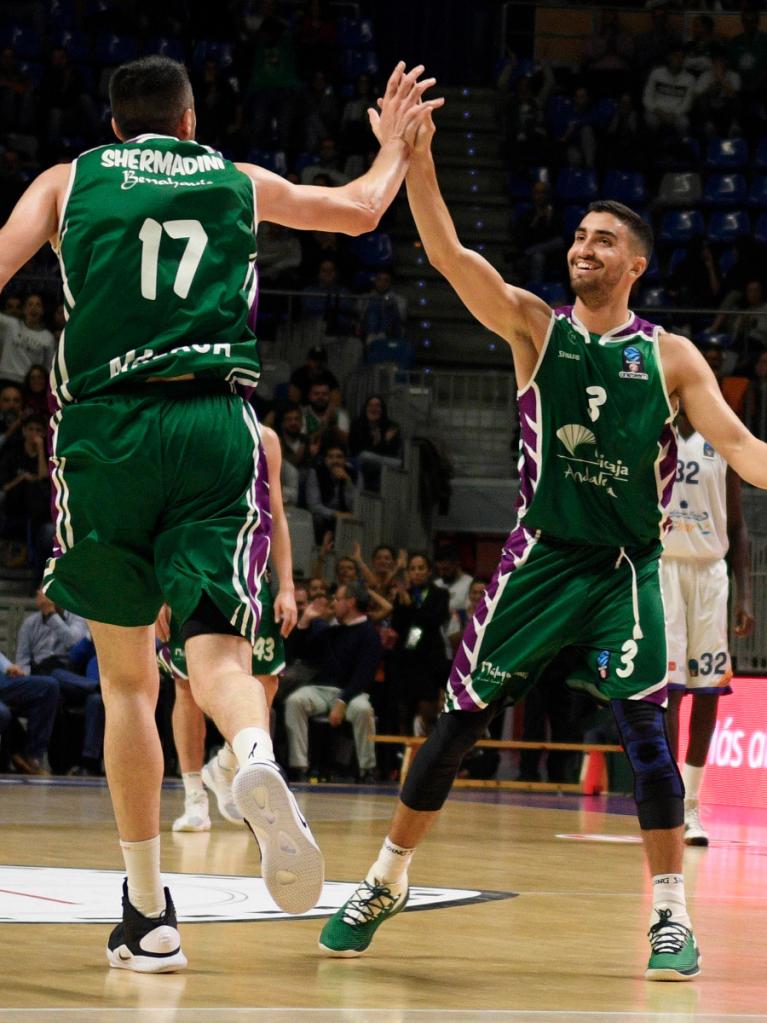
x=689 y=377
x=358 y=206
x=33 y=221
x=518 y=316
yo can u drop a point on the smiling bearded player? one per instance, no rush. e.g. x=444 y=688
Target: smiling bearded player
x=598 y=388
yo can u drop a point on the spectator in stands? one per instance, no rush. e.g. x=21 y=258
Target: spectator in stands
x=695 y=283
x=652 y=47
x=717 y=100
x=537 y=236
x=272 y=95
x=331 y=490
x=449 y=575
x=316 y=37
x=579 y=139
x=329 y=162
x=346 y=657
x=378 y=578
x=25 y=342
x=375 y=441
x=58 y=322
x=11 y=417
x=608 y=56
x=35 y=388
x=383 y=312
x=318 y=246
x=327 y=306
x=83 y=662
x=279 y=255
x=748 y=54
x=421 y=609
x=702 y=46
x=749 y=329
x=321 y=110
x=756 y=399
x=65 y=100
x=522 y=110
x=623 y=136
x=355 y=127
x=297 y=450
x=317 y=588
x=12 y=306
x=324 y=422
x=35 y=697
x=734 y=388
x=345 y=570
x=25 y=509
x=218 y=107
x=668 y=95
x=314 y=370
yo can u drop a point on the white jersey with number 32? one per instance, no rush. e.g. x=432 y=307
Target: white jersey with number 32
x=698 y=508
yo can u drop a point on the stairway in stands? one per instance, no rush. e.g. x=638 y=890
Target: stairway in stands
x=472 y=178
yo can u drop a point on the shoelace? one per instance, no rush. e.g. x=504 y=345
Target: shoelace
x=667 y=936
x=368 y=902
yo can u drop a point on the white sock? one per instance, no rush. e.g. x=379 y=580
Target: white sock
x=668 y=893
x=393 y=861
x=692 y=777
x=252 y=744
x=192 y=783
x=227 y=761
x=142 y=865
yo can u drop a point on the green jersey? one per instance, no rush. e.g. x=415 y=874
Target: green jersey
x=157 y=246
x=597 y=445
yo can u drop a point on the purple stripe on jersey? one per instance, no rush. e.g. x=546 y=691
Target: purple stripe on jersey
x=253 y=311
x=530 y=448
x=564 y=310
x=515 y=550
x=260 y=540
x=667 y=467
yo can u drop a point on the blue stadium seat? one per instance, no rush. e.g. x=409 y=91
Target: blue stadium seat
x=679 y=226
x=358 y=62
x=680 y=188
x=574 y=185
x=76 y=43
x=552 y=292
x=653 y=298
x=757 y=194
x=571 y=217
x=760 y=229
x=354 y=33
x=725 y=227
x=62 y=13
x=726 y=154
x=396 y=350
x=677 y=256
x=725 y=190
x=165 y=46
x=32 y=69
x=25 y=42
x=374 y=250
x=210 y=49
x=112 y=49
x=624 y=186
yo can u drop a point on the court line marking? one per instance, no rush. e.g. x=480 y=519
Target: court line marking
x=362 y=1014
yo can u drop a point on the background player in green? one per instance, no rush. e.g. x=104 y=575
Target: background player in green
x=157 y=468
x=278 y=617
x=597 y=393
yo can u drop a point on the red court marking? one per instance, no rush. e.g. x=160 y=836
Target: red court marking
x=43 y=898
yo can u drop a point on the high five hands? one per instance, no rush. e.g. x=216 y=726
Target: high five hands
x=402 y=108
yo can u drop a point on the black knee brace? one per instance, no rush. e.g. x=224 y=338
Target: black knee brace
x=658 y=787
x=436 y=764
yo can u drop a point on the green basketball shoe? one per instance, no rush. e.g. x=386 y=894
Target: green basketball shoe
x=674 y=954
x=349 y=932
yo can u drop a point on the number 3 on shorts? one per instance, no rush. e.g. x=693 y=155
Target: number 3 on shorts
x=629 y=651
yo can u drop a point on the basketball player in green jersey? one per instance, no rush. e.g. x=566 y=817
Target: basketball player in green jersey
x=597 y=392
x=158 y=473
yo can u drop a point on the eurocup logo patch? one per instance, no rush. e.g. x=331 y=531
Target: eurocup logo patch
x=603 y=663
x=708 y=451
x=633 y=364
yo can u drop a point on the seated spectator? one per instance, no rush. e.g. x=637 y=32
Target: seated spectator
x=449 y=575
x=733 y=388
x=327 y=306
x=35 y=387
x=420 y=612
x=25 y=508
x=321 y=111
x=717 y=100
x=317 y=246
x=522 y=109
x=84 y=664
x=35 y=697
x=329 y=163
x=538 y=237
x=314 y=370
x=11 y=416
x=579 y=139
x=702 y=47
x=324 y=422
x=623 y=137
x=25 y=342
x=383 y=312
x=346 y=656
x=297 y=451
x=345 y=570
x=375 y=441
x=331 y=490
x=668 y=95
x=747 y=54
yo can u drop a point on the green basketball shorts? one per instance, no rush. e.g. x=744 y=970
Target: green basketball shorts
x=268 y=651
x=159 y=495
x=545 y=595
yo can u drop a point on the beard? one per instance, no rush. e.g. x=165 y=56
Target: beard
x=594 y=292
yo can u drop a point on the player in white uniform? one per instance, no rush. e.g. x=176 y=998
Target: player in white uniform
x=707 y=516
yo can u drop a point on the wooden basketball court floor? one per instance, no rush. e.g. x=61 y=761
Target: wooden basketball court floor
x=548 y=922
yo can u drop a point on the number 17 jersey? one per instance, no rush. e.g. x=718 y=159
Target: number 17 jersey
x=157 y=247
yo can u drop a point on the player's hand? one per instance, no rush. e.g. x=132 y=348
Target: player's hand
x=402 y=108
x=285 y=611
x=423 y=135
x=744 y=618
x=356 y=551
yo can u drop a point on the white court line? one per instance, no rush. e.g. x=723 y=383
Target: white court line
x=245 y=1015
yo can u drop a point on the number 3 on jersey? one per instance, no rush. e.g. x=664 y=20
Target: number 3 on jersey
x=151 y=236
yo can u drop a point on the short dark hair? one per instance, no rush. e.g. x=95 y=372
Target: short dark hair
x=639 y=228
x=358 y=592
x=385 y=547
x=149 y=96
